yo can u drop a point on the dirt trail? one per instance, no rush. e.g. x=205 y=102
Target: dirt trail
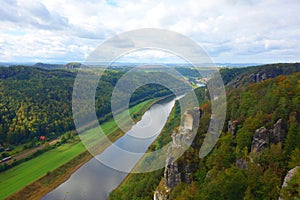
x=30 y=151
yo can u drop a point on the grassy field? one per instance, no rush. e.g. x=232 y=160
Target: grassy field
x=14 y=179
x=18 y=177
x=111 y=126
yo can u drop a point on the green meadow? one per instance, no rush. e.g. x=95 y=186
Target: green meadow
x=17 y=177
x=23 y=174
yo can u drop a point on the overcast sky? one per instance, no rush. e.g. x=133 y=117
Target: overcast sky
x=236 y=31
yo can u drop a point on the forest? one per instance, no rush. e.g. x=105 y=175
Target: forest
x=259 y=143
x=36 y=102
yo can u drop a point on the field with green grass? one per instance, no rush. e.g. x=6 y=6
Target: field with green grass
x=18 y=177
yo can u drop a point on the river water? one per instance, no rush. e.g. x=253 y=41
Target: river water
x=95 y=180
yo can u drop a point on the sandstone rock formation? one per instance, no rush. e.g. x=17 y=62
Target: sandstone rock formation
x=241 y=163
x=232 y=126
x=288 y=177
x=264 y=137
x=177 y=172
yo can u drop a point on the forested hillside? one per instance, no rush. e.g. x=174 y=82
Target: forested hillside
x=37 y=102
x=246 y=75
x=258 y=146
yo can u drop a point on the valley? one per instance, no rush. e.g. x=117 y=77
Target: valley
x=258 y=139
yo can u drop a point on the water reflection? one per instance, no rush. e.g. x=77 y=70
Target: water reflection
x=94 y=180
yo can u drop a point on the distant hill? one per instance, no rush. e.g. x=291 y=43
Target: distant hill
x=27 y=73
x=48 y=66
x=73 y=65
x=235 y=77
x=4 y=64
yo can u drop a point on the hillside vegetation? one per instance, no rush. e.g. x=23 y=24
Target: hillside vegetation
x=37 y=102
x=259 y=144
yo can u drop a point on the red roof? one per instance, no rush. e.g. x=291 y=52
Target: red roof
x=42 y=137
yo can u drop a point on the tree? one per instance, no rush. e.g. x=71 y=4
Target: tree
x=293 y=138
x=294 y=158
x=243 y=140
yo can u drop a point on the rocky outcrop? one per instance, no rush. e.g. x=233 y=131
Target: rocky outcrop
x=264 y=137
x=288 y=177
x=278 y=133
x=73 y=65
x=172 y=174
x=160 y=195
x=232 y=126
x=176 y=171
x=241 y=163
x=239 y=77
x=258 y=77
x=260 y=139
x=252 y=78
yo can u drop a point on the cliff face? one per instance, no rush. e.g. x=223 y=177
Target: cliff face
x=172 y=174
x=238 y=77
x=176 y=171
x=263 y=137
x=159 y=195
x=288 y=177
x=254 y=78
x=232 y=126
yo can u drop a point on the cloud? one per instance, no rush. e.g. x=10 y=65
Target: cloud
x=229 y=30
x=31 y=14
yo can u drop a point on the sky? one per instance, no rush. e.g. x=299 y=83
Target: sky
x=230 y=31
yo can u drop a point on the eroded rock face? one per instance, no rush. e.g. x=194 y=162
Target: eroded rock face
x=258 y=77
x=176 y=171
x=260 y=139
x=172 y=175
x=263 y=137
x=288 y=177
x=158 y=195
x=241 y=163
x=232 y=126
x=278 y=132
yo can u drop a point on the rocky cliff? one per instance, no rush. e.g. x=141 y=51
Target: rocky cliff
x=232 y=126
x=263 y=137
x=239 y=77
x=288 y=177
x=176 y=171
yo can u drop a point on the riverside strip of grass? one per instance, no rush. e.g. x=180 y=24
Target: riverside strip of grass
x=26 y=173
x=14 y=179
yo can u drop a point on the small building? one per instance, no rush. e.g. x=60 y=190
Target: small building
x=42 y=137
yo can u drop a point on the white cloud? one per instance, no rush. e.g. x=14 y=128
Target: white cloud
x=229 y=30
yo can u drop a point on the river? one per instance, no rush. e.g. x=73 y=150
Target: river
x=95 y=180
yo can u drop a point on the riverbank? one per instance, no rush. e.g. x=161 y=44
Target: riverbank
x=136 y=185
x=37 y=184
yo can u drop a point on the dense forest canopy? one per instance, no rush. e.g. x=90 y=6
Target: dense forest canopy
x=36 y=102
